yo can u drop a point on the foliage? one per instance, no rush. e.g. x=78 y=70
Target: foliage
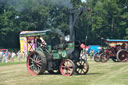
x=107 y=18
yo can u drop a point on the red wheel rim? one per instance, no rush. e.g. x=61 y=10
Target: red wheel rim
x=67 y=67
x=33 y=64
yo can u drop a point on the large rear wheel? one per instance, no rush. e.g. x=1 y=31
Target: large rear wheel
x=67 y=67
x=122 y=55
x=36 y=63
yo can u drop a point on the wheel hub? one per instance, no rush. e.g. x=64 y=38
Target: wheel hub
x=123 y=56
x=66 y=67
x=81 y=66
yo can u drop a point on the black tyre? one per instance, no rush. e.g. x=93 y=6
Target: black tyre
x=97 y=57
x=81 y=67
x=36 y=63
x=122 y=55
x=104 y=57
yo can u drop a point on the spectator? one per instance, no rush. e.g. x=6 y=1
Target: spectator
x=26 y=55
x=91 y=54
x=123 y=46
x=23 y=56
x=18 y=55
x=9 y=56
x=6 y=56
x=1 y=56
x=12 y=56
x=101 y=50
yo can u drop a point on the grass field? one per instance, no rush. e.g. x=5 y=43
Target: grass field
x=109 y=73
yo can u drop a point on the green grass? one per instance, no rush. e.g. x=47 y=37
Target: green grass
x=109 y=73
x=12 y=63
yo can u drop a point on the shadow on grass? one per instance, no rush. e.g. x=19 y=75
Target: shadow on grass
x=47 y=73
x=87 y=74
x=94 y=73
x=75 y=74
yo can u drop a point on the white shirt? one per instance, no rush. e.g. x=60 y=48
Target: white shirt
x=13 y=54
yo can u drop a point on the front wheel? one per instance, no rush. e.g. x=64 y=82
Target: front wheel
x=104 y=57
x=82 y=67
x=97 y=57
x=67 y=67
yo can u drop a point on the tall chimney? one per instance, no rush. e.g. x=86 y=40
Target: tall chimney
x=72 y=30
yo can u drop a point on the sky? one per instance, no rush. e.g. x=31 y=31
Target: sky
x=83 y=0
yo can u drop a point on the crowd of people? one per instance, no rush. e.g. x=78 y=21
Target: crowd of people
x=12 y=56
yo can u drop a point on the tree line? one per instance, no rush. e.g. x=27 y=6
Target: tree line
x=107 y=19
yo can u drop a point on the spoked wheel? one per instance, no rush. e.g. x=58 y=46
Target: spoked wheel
x=97 y=57
x=104 y=57
x=122 y=55
x=82 y=67
x=67 y=67
x=36 y=63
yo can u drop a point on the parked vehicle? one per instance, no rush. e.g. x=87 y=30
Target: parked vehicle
x=4 y=50
x=117 y=51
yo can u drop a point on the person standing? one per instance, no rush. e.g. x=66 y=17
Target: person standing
x=6 y=56
x=9 y=56
x=23 y=55
x=12 y=56
x=91 y=54
x=1 y=56
x=18 y=55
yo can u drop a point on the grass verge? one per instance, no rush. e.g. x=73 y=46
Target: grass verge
x=12 y=63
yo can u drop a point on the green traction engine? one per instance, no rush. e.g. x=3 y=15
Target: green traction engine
x=61 y=58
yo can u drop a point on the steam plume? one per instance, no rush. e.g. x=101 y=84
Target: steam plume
x=20 y=5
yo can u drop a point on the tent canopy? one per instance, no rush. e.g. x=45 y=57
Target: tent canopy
x=116 y=41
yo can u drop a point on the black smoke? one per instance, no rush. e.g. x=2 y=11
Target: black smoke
x=21 y=5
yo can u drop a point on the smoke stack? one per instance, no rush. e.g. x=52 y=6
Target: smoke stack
x=72 y=30
x=74 y=15
x=21 y=5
